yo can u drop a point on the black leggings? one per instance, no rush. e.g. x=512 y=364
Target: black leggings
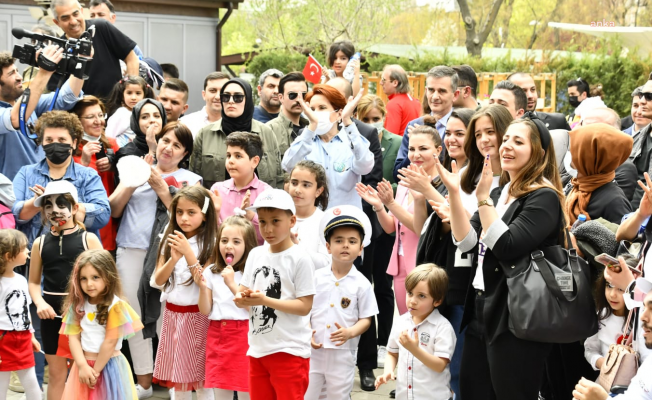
x=50 y=327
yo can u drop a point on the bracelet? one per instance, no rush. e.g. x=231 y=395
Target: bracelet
x=195 y=265
x=376 y=210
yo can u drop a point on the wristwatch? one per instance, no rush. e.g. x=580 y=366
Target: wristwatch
x=487 y=202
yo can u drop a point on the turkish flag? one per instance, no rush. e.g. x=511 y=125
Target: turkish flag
x=312 y=70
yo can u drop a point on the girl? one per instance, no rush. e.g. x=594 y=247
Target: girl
x=611 y=313
x=96 y=321
x=52 y=261
x=309 y=190
x=123 y=98
x=425 y=146
x=227 y=366
x=339 y=54
x=18 y=344
x=189 y=245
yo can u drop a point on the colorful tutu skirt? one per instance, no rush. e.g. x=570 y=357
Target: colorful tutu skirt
x=181 y=355
x=114 y=383
x=227 y=365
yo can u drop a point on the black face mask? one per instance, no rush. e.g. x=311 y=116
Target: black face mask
x=572 y=100
x=57 y=153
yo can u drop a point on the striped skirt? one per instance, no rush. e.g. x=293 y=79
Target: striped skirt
x=181 y=354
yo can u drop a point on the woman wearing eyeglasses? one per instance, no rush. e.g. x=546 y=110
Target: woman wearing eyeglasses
x=97 y=151
x=209 y=151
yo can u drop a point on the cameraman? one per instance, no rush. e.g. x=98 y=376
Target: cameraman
x=109 y=45
x=16 y=149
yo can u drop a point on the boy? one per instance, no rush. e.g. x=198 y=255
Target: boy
x=278 y=286
x=343 y=306
x=422 y=341
x=243 y=153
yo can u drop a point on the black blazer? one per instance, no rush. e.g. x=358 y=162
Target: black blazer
x=376 y=174
x=554 y=120
x=535 y=222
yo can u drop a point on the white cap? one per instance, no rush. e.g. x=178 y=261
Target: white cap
x=274 y=198
x=345 y=215
x=57 y=187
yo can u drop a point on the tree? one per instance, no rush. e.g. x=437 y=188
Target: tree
x=475 y=38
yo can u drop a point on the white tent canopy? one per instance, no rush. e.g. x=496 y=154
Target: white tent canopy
x=632 y=37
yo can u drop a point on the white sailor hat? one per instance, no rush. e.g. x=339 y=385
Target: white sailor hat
x=345 y=215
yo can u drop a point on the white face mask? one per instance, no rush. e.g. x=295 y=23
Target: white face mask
x=90 y=138
x=379 y=126
x=567 y=164
x=324 y=123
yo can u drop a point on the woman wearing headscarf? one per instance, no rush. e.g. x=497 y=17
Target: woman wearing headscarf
x=147 y=119
x=209 y=151
x=597 y=150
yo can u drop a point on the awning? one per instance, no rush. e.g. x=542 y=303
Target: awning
x=632 y=37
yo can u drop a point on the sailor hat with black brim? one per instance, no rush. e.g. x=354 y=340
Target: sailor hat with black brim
x=345 y=215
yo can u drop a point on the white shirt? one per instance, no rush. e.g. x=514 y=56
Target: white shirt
x=415 y=381
x=93 y=333
x=118 y=126
x=640 y=388
x=598 y=345
x=223 y=306
x=345 y=301
x=287 y=275
x=14 y=313
x=195 y=121
x=180 y=294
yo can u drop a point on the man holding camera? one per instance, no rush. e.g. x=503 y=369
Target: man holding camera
x=109 y=45
x=16 y=148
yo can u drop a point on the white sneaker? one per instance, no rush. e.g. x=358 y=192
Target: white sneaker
x=382 y=353
x=144 y=393
x=171 y=391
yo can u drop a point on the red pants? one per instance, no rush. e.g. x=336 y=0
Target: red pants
x=279 y=376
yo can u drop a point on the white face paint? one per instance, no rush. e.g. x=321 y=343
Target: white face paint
x=58 y=210
x=567 y=164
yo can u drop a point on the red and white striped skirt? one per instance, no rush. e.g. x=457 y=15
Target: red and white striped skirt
x=181 y=354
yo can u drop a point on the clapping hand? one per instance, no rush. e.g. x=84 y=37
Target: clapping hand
x=369 y=194
x=414 y=177
x=179 y=245
x=450 y=179
x=385 y=192
x=486 y=180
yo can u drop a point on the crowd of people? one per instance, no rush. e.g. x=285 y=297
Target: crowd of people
x=260 y=250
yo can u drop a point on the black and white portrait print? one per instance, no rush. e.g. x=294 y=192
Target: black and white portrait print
x=17 y=310
x=263 y=318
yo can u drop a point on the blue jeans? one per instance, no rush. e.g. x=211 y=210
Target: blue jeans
x=38 y=357
x=455 y=315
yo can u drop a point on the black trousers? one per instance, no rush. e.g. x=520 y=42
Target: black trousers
x=509 y=368
x=367 y=350
x=383 y=286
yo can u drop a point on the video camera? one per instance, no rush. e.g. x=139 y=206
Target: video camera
x=76 y=52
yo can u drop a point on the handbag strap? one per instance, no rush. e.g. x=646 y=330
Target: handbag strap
x=541 y=263
x=629 y=336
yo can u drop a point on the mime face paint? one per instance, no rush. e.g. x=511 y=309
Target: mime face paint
x=58 y=210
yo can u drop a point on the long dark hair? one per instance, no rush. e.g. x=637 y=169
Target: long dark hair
x=205 y=235
x=601 y=302
x=464 y=115
x=320 y=178
x=116 y=97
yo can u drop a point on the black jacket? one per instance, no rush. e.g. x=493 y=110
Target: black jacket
x=554 y=120
x=376 y=174
x=535 y=222
x=642 y=162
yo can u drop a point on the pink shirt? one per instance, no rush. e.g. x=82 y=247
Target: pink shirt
x=232 y=198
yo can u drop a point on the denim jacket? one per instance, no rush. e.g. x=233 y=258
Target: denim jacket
x=91 y=194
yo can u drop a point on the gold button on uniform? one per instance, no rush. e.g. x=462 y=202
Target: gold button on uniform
x=328 y=326
x=337 y=284
x=332 y=305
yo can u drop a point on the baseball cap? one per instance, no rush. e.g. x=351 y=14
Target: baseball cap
x=345 y=215
x=274 y=198
x=57 y=187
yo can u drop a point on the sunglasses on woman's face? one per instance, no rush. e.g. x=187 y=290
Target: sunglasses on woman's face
x=647 y=96
x=237 y=97
x=294 y=95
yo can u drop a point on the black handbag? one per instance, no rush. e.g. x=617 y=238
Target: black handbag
x=538 y=308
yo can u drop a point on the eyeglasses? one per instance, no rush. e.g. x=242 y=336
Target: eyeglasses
x=294 y=95
x=92 y=117
x=647 y=96
x=237 y=97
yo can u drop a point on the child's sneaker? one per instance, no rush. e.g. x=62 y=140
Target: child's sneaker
x=382 y=353
x=143 y=393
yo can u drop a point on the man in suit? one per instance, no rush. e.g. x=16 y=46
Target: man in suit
x=526 y=82
x=637 y=120
x=367 y=351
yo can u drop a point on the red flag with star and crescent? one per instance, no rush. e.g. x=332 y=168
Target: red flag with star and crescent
x=313 y=70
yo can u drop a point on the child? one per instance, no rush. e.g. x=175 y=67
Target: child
x=343 y=306
x=227 y=367
x=52 y=259
x=18 y=343
x=423 y=371
x=243 y=153
x=96 y=321
x=124 y=96
x=278 y=286
x=611 y=313
x=189 y=245
x=309 y=190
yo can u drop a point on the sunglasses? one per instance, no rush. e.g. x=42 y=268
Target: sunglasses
x=237 y=97
x=647 y=96
x=294 y=95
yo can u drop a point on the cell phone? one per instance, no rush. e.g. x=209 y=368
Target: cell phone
x=607 y=260
x=100 y=154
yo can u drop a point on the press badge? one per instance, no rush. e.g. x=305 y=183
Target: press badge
x=565 y=281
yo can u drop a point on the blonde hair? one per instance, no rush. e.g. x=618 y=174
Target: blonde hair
x=434 y=275
x=12 y=242
x=368 y=103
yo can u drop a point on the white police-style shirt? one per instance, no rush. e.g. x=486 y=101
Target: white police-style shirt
x=345 y=301
x=413 y=379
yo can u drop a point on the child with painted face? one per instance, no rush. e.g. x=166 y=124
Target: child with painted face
x=227 y=366
x=53 y=257
x=97 y=319
x=422 y=340
x=18 y=343
x=343 y=306
x=188 y=246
